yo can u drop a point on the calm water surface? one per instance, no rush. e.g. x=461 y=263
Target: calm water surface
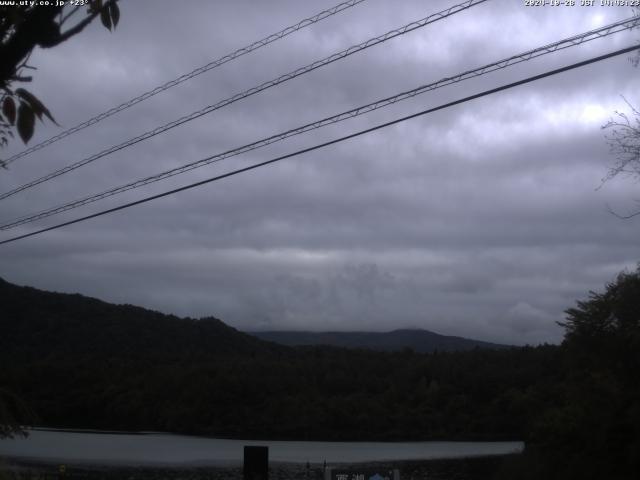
x=163 y=449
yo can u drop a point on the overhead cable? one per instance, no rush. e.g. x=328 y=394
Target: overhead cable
x=187 y=76
x=501 y=64
x=331 y=142
x=252 y=91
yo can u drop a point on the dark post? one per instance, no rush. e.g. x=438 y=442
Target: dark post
x=256 y=463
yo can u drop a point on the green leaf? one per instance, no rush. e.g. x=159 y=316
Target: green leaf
x=26 y=121
x=105 y=18
x=36 y=105
x=9 y=110
x=115 y=14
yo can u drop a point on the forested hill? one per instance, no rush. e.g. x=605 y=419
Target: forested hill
x=40 y=323
x=422 y=341
x=79 y=362
x=83 y=363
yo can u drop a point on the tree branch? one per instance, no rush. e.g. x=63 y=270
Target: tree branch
x=81 y=25
x=70 y=14
x=37 y=28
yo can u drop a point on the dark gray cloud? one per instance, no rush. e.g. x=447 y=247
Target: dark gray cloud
x=481 y=220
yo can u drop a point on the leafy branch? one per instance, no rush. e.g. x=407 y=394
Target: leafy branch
x=22 y=28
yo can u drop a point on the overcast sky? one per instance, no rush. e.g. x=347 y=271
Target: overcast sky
x=482 y=220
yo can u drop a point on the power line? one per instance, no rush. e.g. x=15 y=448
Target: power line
x=194 y=73
x=252 y=91
x=332 y=142
x=501 y=64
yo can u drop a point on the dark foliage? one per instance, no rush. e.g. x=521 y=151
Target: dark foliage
x=421 y=341
x=80 y=362
x=23 y=27
x=592 y=428
x=14 y=414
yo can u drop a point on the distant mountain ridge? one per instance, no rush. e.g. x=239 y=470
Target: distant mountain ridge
x=50 y=322
x=82 y=363
x=421 y=341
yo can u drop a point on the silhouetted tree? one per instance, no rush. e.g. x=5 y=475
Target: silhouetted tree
x=624 y=140
x=24 y=27
x=624 y=144
x=612 y=316
x=593 y=428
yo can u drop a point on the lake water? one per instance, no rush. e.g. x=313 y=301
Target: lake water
x=167 y=449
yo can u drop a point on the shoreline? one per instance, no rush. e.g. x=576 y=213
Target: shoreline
x=169 y=451
x=466 y=468
x=211 y=436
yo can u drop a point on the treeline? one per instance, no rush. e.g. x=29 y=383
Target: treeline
x=83 y=363
x=80 y=362
x=592 y=428
x=314 y=393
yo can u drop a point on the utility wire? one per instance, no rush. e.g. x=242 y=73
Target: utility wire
x=252 y=91
x=501 y=64
x=332 y=142
x=183 y=78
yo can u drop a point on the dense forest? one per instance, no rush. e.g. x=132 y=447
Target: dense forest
x=80 y=362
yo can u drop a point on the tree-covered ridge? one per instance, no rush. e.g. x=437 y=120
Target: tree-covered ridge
x=36 y=323
x=576 y=405
x=421 y=341
x=85 y=363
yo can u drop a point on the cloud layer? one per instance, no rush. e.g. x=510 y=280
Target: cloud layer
x=483 y=220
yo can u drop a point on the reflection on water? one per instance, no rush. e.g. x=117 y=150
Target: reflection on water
x=159 y=449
